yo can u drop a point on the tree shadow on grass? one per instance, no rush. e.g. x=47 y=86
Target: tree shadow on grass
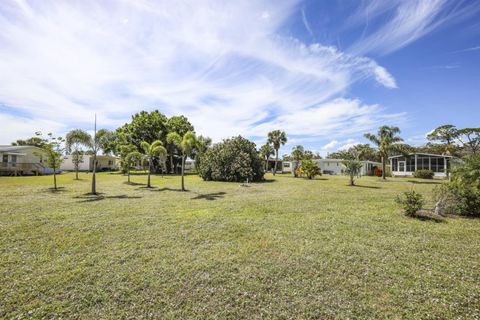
x=98 y=197
x=59 y=189
x=368 y=187
x=424 y=182
x=428 y=215
x=210 y=196
x=134 y=183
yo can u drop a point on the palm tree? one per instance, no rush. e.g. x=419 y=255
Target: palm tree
x=265 y=152
x=277 y=139
x=353 y=168
x=130 y=159
x=151 y=151
x=297 y=155
x=186 y=145
x=387 y=142
x=75 y=140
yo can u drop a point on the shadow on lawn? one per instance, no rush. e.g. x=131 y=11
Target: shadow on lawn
x=368 y=187
x=424 y=182
x=428 y=215
x=210 y=196
x=134 y=183
x=59 y=189
x=88 y=197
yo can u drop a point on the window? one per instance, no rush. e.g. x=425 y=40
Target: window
x=286 y=165
x=110 y=162
x=5 y=158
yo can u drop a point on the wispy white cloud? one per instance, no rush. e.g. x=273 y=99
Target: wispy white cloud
x=407 y=22
x=329 y=146
x=475 y=48
x=224 y=65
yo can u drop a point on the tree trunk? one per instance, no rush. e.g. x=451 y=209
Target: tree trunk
x=171 y=165
x=54 y=180
x=276 y=160
x=94 y=181
x=352 y=183
x=384 y=168
x=128 y=175
x=295 y=168
x=183 y=168
x=149 y=171
x=76 y=172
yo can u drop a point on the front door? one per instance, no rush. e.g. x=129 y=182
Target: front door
x=401 y=166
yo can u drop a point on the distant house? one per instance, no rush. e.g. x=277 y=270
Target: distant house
x=335 y=166
x=104 y=163
x=23 y=160
x=405 y=166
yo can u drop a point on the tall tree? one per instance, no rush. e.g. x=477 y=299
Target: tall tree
x=75 y=140
x=445 y=134
x=387 y=141
x=297 y=155
x=53 y=149
x=186 y=145
x=130 y=160
x=470 y=139
x=151 y=151
x=179 y=125
x=33 y=141
x=277 y=138
x=265 y=152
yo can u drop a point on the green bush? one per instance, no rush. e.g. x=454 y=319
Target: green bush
x=459 y=199
x=424 y=174
x=309 y=169
x=411 y=202
x=234 y=159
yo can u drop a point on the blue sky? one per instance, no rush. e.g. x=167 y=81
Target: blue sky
x=324 y=71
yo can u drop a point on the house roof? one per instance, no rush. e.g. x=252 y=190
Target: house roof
x=7 y=148
x=423 y=154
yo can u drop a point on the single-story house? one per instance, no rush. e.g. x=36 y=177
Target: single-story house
x=104 y=163
x=335 y=166
x=405 y=166
x=23 y=160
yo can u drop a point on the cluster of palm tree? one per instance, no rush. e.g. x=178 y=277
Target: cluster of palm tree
x=275 y=140
x=77 y=140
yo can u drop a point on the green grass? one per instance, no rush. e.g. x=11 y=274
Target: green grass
x=287 y=248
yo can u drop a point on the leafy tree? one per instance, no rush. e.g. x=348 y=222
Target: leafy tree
x=265 y=152
x=277 y=139
x=186 y=145
x=33 y=141
x=75 y=140
x=387 y=142
x=234 y=160
x=151 y=151
x=203 y=144
x=298 y=152
x=98 y=142
x=470 y=139
x=130 y=160
x=52 y=147
x=123 y=151
x=144 y=126
x=445 y=134
x=310 y=169
x=468 y=172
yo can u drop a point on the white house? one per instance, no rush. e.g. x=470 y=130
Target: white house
x=104 y=163
x=23 y=160
x=335 y=166
x=405 y=166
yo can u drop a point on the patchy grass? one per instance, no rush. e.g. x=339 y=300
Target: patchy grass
x=291 y=248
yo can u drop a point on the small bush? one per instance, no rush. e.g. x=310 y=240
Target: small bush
x=309 y=169
x=459 y=199
x=411 y=202
x=424 y=174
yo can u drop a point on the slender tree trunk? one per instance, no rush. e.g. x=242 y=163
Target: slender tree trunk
x=171 y=164
x=149 y=170
x=94 y=178
x=76 y=172
x=384 y=168
x=54 y=180
x=276 y=160
x=352 y=183
x=183 y=168
x=128 y=175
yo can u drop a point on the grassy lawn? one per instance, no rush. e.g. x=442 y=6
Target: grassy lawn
x=286 y=248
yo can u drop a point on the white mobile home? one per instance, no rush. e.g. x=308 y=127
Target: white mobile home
x=23 y=160
x=335 y=166
x=405 y=166
x=104 y=163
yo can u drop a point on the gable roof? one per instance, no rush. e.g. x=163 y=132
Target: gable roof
x=7 y=148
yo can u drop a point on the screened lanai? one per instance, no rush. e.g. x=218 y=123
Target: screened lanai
x=407 y=165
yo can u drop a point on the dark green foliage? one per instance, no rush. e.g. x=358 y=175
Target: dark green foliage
x=411 y=202
x=459 y=199
x=234 y=159
x=424 y=174
x=33 y=141
x=309 y=169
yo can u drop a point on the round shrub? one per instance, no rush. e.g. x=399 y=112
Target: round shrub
x=411 y=202
x=423 y=174
x=234 y=159
x=309 y=169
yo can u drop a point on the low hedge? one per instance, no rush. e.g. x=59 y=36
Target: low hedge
x=424 y=174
